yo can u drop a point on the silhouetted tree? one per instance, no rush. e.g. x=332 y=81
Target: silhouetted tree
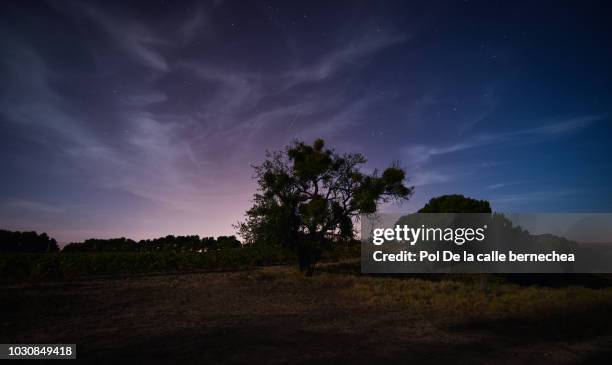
x=455 y=204
x=502 y=233
x=225 y=242
x=94 y=244
x=310 y=196
x=26 y=242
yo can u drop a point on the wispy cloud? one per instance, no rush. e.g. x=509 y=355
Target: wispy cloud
x=33 y=104
x=144 y=99
x=422 y=177
x=420 y=154
x=193 y=26
x=177 y=156
x=502 y=185
x=31 y=206
x=135 y=39
x=418 y=158
x=249 y=106
x=351 y=53
x=532 y=196
x=164 y=108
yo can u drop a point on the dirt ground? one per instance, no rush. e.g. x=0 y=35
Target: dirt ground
x=267 y=316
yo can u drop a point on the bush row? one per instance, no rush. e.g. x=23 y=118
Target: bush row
x=20 y=267
x=35 y=267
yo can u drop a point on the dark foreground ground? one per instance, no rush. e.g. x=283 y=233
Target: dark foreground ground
x=273 y=315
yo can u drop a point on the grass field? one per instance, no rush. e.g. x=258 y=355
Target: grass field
x=275 y=315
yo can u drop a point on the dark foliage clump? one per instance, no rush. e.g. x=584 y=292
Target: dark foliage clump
x=26 y=242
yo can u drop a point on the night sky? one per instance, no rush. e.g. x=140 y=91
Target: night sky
x=142 y=119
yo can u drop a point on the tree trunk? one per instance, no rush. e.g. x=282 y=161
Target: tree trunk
x=304 y=260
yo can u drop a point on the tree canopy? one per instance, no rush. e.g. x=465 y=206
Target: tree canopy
x=26 y=242
x=455 y=203
x=310 y=196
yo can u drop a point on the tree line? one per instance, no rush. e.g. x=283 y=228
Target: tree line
x=191 y=243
